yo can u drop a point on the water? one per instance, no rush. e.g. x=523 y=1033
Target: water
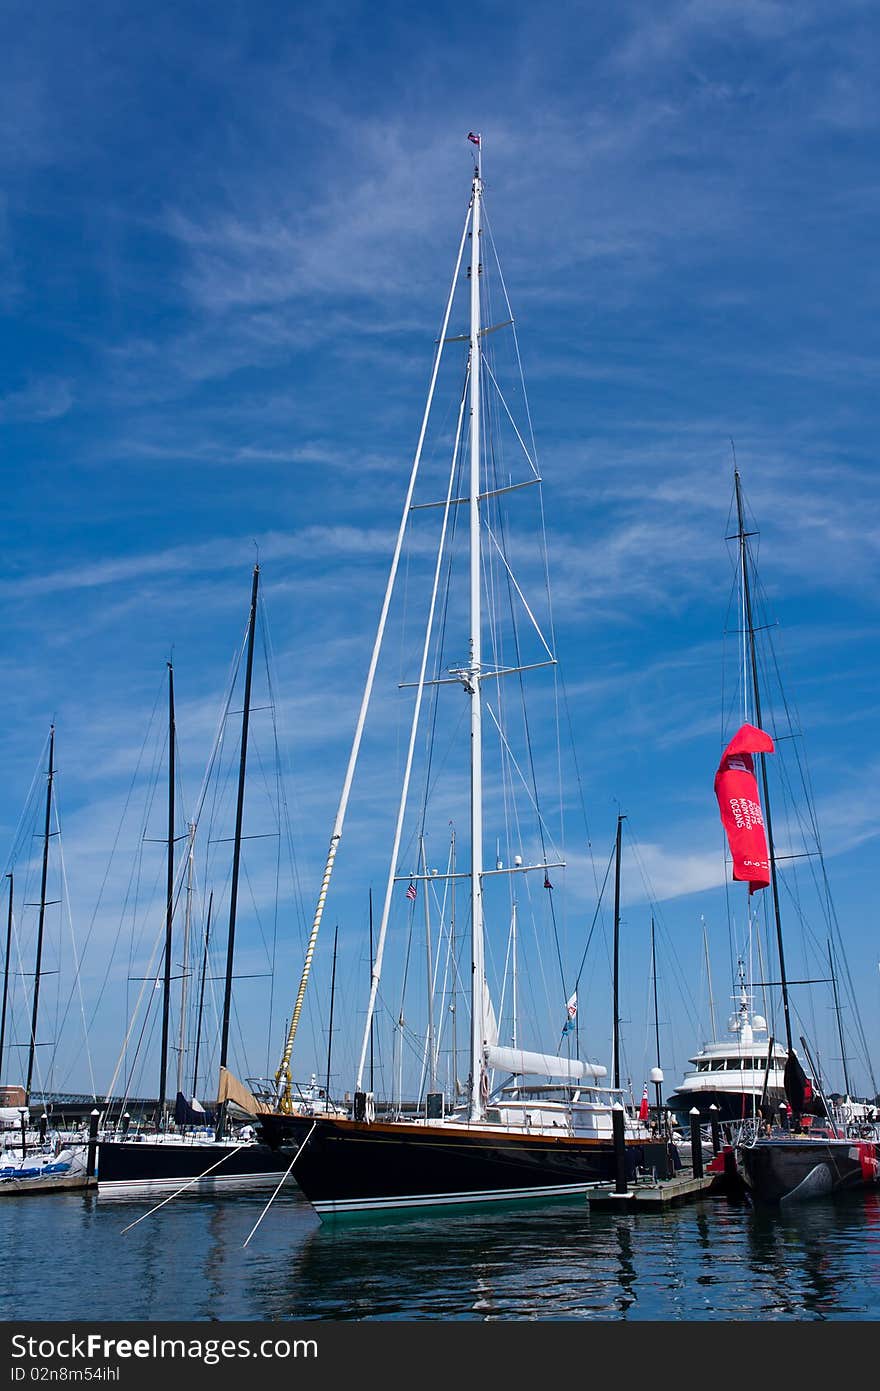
x=65 y=1258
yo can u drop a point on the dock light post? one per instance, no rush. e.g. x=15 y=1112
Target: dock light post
x=696 y=1144
x=44 y=1126
x=783 y=1115
x=716 y=1129
x=93 y=1143
x=126 y=1122
x=617 y=1124
x=23 y=1116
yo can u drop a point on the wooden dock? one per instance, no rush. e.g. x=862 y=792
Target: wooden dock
x=653 y=1194
x=53 y=1183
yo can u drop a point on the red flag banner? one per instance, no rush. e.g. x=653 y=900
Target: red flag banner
x=737 y=791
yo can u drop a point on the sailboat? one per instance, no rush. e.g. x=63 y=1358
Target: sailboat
x=24 y=1096
x=199 y=1157
x=34 y=1159
x=816 y=1148
x=525 y=1124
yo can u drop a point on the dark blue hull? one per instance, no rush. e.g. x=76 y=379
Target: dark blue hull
x=731 y=1106
x=130 y=1168
x=345 y=1167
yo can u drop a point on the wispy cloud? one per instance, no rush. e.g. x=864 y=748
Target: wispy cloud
x=37 y=401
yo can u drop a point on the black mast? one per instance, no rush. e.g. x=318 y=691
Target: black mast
x=236 y=850
x=42 y=919
x=839 y=1020
x=202 y=997
x=169 y=901
x=656 y=1018
x=6 y=973
x=615 y=968
x=747 y=599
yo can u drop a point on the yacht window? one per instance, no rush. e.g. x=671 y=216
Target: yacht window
x=718 y=1066
x=734 y=1064
x=702 y=1067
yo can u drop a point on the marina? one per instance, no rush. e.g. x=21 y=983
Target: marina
x=438 y=826
x=526 y=1126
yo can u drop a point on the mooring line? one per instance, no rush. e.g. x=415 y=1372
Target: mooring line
x=278 y=1189
x=181 y=1190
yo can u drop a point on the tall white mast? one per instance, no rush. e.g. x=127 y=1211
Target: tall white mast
x=477 y=1109
x=513 y=952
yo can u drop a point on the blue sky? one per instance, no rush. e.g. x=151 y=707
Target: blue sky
x=225 y=238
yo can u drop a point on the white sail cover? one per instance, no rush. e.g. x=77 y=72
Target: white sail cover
x=542 y=1064
x=231 y=1089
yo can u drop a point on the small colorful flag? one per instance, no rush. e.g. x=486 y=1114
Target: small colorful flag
x=474 y=139
x=411 y=892
x=643 y=1109
x=571 y=1010
x=547 y=884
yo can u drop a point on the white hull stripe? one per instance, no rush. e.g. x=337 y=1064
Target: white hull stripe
x=489 y=1195
x=136 y=1188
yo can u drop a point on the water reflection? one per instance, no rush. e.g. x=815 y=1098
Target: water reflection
x=544 y=1264
x=815 y=1253
x=626 y=1275
x=713 y=1260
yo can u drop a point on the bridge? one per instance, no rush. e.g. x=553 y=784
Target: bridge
x=65 y=1108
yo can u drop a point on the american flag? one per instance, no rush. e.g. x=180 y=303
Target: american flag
x=411 y=891
x=474 y=139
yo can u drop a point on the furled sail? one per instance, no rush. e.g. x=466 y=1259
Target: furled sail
x=799 y=1090
x=192 y=1112
x=542 y=1064
x=230 y=1089
x=795 y=1084
x=737 y=791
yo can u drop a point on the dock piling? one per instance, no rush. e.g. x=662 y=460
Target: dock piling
x=716 y=1129
x=93 y=1144
x=617 y=1125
